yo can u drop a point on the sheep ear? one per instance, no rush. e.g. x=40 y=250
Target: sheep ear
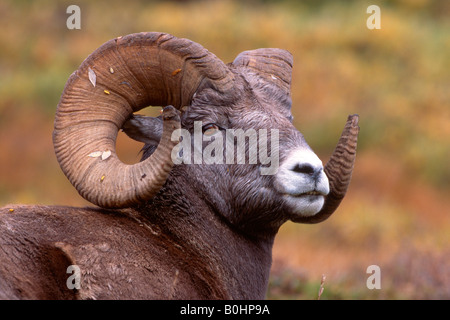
x=272 y=64
x=144 y=129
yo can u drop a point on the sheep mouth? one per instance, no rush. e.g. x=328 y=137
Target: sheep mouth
x=304 y=204
x=309 y=193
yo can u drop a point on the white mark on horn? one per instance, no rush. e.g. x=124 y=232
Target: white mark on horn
x=92 y=76
x=95 y=154
x=104 y=154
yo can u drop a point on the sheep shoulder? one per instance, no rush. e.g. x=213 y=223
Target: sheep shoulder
x=114 y=253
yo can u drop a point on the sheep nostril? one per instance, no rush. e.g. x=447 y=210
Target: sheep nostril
x=304 y=168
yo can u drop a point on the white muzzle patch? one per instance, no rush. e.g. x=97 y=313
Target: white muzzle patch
x=302 y=182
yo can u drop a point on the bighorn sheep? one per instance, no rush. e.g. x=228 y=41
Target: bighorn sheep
x=166 y=231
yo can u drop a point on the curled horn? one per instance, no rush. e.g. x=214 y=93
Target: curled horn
x=123 y=76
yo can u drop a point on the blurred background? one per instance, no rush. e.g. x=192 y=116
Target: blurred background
x=397 y=211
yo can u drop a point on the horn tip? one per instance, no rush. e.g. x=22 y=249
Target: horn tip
x=170 y=113
x=353 y=120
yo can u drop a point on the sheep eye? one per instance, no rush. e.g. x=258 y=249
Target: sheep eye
x=210 y=129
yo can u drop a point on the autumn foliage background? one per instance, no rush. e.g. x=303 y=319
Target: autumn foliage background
x=397 y=211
